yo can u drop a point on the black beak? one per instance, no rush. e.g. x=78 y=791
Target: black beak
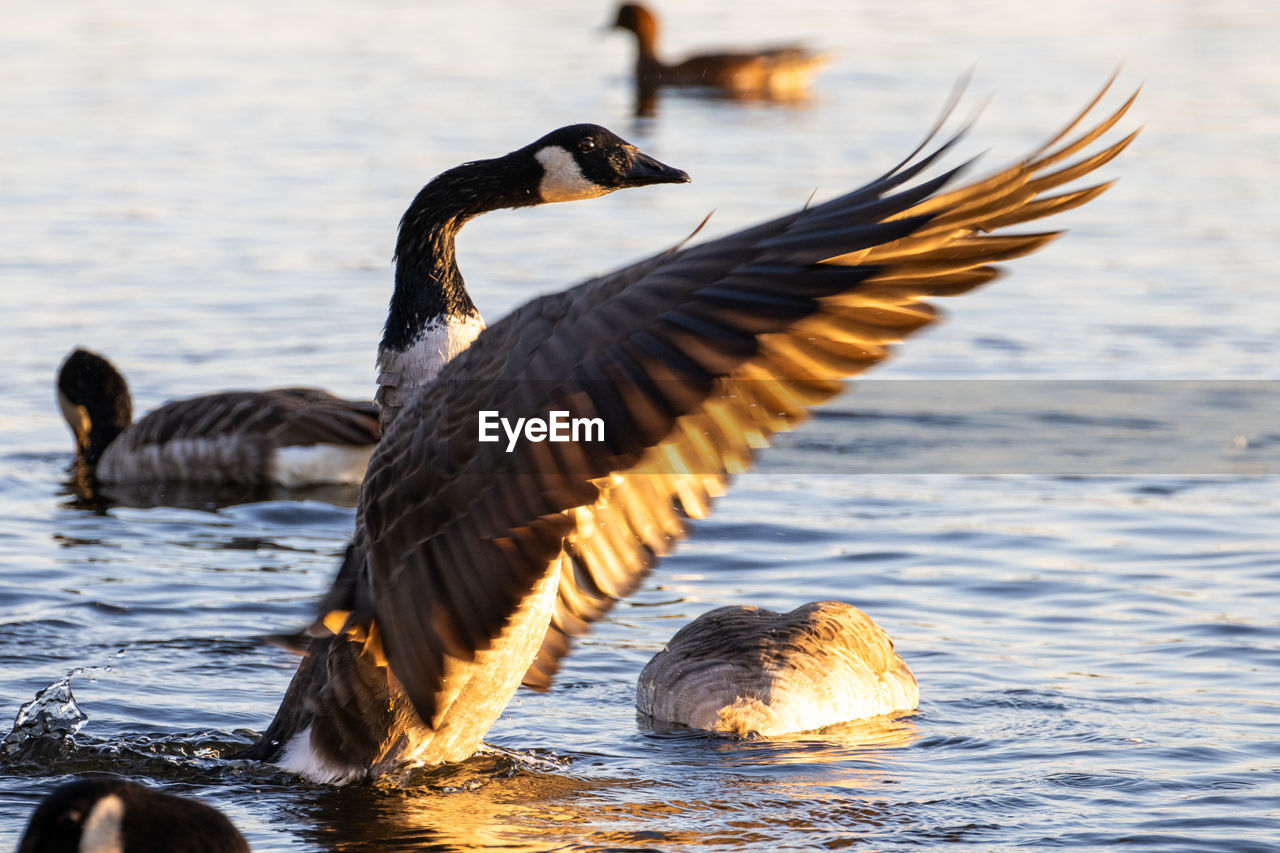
x=645 y=171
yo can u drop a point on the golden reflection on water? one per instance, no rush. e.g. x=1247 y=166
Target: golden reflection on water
x=476 y=804
x=852 y=740
x=493 y=802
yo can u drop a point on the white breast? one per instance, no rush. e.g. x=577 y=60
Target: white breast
x=300 y=757
x=400 y=373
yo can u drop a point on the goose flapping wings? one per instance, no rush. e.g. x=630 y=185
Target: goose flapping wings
x=475 y=562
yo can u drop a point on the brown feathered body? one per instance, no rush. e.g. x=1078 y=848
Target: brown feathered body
x=246 y=437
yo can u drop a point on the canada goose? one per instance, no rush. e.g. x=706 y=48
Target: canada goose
x=748 y=670
x=112 y=815
x=431 y=317
x=473 y=562
x=289 y=436
x=780 y=73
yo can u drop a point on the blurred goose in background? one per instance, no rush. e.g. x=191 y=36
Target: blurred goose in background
x=745 y=670
x=474 y=562
x=112 y=815
x=290 y=436
x=781 y=73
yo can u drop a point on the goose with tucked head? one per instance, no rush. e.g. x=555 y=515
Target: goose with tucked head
x=778 y=73
x=746 y=670
x=112 y=815
x=474 y=561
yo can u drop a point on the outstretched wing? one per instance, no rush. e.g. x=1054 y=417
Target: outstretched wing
x=692 y=360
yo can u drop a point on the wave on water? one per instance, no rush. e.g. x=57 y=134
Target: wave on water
x=45 y=740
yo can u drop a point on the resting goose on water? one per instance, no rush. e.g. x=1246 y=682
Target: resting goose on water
x=289 y=436
x=781 y=73
x=473 y=564
x=746 y=670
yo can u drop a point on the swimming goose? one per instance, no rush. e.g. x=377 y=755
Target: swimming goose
x=475 y=561
x=289 y=436
x=779 y=73
x=747 y=670
x=112 y=815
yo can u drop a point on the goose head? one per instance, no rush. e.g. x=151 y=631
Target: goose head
x=585 y=160
x=575 y=162
x=94 y=399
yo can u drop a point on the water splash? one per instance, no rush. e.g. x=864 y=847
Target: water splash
x=52 y=717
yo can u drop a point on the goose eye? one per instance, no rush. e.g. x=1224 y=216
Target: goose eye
x=586 y=144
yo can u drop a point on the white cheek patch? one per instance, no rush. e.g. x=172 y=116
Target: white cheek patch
x=562 y=179
x=101 y=832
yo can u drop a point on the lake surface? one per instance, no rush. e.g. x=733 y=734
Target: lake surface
x=1063 y=503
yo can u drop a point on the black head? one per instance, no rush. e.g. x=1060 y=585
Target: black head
x=110 y=813
x=587 y=160
x=94 y=399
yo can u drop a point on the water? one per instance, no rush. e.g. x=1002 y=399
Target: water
x=209 y=197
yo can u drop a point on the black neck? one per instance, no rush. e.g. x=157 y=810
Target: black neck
x=109 y=415
x=100 y=436
x=429 y=288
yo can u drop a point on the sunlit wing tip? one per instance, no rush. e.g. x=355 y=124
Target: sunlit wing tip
x=1083 y=167
x=1071 y=125
x=1047 y=206
x=1042 y=156
x=1086 y=138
